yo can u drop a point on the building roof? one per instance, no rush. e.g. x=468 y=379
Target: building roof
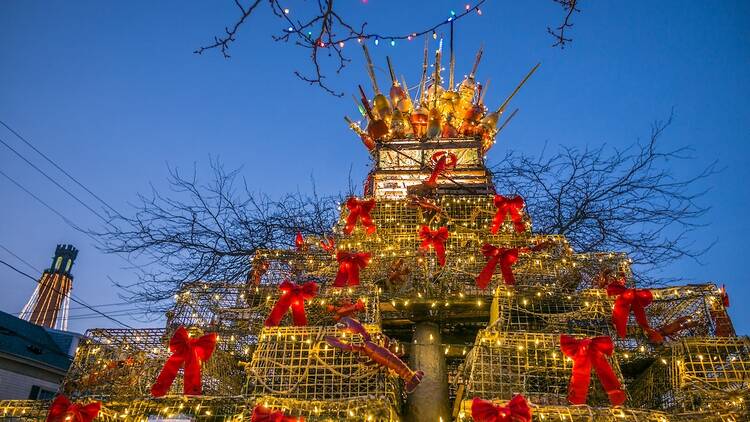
x=31 y=342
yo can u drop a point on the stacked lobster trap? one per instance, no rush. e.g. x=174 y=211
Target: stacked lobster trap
x=698 y=375
x=678 y=312
x=293 y=365
x=36 y=410
x=123 y=364
x=503 y=364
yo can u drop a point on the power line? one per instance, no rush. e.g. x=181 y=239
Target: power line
x=64 y=218
x=72 y=298
x=67 y=220
x=55 y=182
x=20 y=259
x=27 y=142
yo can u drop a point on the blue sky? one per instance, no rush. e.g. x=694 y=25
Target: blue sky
x=112 y=91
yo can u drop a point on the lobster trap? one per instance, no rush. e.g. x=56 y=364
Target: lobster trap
x=698 y=374
x=676 y=313
x=124 y=363
x=297 y=363
x=208 y=305
x=578 y=414
x=502 y=365
x=545 y=310
x=358 y=409
x=360 y=302
x=196 y=409
x=36 y=410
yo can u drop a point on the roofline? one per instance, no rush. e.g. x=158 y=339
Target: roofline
x=39 y=364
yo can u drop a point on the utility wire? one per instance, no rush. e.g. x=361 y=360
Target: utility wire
x=27 y=142
x=67 y=220
x=20 y=259
x=64 y=218
x=56 y=183
x=72 y=298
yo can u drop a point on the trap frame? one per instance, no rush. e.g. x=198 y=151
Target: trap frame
x=117 y=364
x=297 y=363
x=698 y=374
x=504 y=364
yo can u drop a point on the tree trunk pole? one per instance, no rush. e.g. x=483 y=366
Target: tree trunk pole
x=429 y=402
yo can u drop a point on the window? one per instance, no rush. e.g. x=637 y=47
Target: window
x=40 y=393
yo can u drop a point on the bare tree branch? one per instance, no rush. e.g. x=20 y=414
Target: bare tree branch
x=611 y=200
x=569 y=6
x=208 y=232
x=324 y=31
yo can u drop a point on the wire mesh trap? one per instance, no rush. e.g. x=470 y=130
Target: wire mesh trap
x=36 y=410
x=297 y=363
x=697 y=374
x=579 y=413
x=504 y=364
x=546 y=310
x=359 y=409
x=124 y=363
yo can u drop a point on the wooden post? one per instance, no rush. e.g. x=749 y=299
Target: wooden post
x=429 y=402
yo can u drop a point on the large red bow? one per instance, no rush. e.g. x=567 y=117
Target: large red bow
x=629 y=299
x=299 y=242
x=505 y=257
x=517 y=410
x=591 y=353
x=292 y=296
x=724 y=296
x=264 y=414
x=508 y=207
x=349 y=265
x=63 y=410
x=187 y=352
x=442 y=163
x=359 y=210
x=434 y=239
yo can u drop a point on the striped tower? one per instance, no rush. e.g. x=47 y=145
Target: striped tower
x=50 y=302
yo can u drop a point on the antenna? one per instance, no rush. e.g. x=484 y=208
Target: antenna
x=476 y=62
x=505 y=123
x=371 y=69
x=452 y=65
x=507 y=100
x=436 y=79
x=424 y=71
x=390 y=70
x=484 y=91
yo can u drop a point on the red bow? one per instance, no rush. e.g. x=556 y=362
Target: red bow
x=264 y=414
x=435 y=239
x=359 y=211
x=629 y=299
x=349 y=265
x=508 y=206
x=63 y=410
x=442 y=163
x=724 y=296
x=328 y=245
x=517 y=410
x=587 y=353
x=505 y=257
x=187 y=352
x=292 y=296
x=299 y=241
